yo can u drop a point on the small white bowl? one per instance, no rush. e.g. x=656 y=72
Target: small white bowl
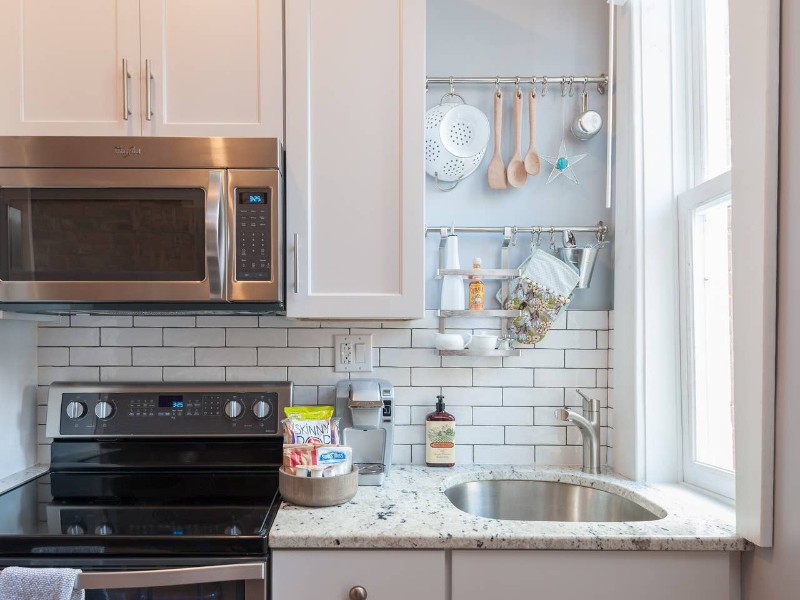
x=483 y=342
x=451 y=341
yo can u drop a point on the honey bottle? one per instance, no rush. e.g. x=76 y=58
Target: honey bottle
x=476 y=288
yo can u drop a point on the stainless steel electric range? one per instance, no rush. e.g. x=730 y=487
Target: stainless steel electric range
x=156 y=492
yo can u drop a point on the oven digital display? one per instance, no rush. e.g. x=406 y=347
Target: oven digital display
x=170 y=401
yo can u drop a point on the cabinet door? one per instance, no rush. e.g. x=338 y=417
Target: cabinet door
x=384 y=574
x=355 y=106
x=62 y=67
x=216 y=68
x=607 y=575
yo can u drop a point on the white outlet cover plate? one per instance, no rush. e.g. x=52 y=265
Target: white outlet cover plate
x=352 y=353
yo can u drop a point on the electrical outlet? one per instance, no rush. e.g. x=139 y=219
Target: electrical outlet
x=352 y=352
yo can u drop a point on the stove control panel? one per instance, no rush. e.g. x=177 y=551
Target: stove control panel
x=174 y=412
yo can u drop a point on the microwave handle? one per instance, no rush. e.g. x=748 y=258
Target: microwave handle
x=120 y=580
x=214 y=245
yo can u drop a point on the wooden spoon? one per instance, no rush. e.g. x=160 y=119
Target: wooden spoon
x=532 y=162
x=497 y=169
x=517 y=176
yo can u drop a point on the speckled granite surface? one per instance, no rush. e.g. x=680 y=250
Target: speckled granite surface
x=410 y=511
x=12 y=481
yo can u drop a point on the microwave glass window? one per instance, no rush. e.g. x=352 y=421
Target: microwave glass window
x=93 y=234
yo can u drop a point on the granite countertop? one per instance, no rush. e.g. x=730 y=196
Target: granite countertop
x=410 y=511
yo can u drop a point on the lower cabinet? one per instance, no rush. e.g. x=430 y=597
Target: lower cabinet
x=582 y=575
x=359 y=574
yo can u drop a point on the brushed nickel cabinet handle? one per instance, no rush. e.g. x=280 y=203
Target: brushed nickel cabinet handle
x=126 y=78
x=358 y=593
x=297 y=269
x=148 y=67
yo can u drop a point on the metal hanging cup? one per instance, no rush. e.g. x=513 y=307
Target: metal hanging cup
x=582 y=260
x=587 y=124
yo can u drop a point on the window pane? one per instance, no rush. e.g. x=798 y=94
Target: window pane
x=713 y=357
x=716 y=81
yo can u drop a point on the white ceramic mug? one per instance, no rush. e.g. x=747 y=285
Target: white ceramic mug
x=483 y=341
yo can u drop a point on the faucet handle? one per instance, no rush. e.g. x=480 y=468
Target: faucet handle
x=589 y=404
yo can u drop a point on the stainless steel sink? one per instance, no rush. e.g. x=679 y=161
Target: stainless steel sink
x=525 y=500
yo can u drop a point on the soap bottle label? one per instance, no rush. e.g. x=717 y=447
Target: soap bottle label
x=440 y=447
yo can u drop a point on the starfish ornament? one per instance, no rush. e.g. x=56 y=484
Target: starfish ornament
x=562 y=164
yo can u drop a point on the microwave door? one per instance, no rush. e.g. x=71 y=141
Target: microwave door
x=112 y=235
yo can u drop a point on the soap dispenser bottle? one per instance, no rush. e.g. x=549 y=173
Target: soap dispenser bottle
x=440 y=437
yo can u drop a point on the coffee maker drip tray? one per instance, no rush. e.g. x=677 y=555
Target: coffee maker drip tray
x=371 y=473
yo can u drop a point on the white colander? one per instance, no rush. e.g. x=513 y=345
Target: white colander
x=464 y=130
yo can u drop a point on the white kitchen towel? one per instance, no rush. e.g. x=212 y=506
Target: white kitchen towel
x=19 y=583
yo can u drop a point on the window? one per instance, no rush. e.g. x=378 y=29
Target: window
x=704 y=223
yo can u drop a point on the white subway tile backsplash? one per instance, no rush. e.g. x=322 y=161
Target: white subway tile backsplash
x=267 y=337
x=502 y=415
x=102 y=356
x=194 y=338
x=289 y=357
x=314 y=338
x=564 y=378
x=587 y=319
x=255 y=374
x=535 y=435
x=240 y=357
x=69 y=336
x=440 y=376
x=504 y=377
x=504 y=455
x=533 y=397
x=401 y=454
x=130 y=374
x=408 y=357
x=174 y=357
x=536 y=358
x=194 y=374
x=586 y=359
x=228 y=321
x=131 y=336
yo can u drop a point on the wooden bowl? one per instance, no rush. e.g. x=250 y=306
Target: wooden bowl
x=318 y=491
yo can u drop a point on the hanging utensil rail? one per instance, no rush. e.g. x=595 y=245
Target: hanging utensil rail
x=567 y=82
x=601 y=229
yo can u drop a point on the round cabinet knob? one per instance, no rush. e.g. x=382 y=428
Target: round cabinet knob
x=75 y=410
x=233 y=409
x=261 y=409
x=76 y=529
x=233 y=530
x=358 y=593
x=104 y=410
x=104 y=529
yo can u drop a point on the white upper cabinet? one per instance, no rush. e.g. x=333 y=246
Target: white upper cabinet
x=194 y=67
x=355 y=104
x=216 y=68
x=62 y=67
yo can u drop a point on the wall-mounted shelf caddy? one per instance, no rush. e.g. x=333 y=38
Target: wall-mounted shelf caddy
x=504 y=274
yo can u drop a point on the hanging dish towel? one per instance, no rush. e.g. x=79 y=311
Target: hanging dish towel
x=18 y=583
x=541 y=293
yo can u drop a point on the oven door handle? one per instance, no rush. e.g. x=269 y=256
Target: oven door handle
x=169 y=577
x=215 y=258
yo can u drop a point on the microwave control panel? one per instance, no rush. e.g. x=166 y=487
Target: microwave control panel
x=253 y=235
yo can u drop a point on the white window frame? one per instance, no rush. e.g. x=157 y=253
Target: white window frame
x=707 y=194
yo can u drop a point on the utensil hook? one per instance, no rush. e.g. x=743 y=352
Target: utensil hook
x=533 y=86
x=544 y=86
x=497 y=87
x=452 y=86
x=571 y=90
x=517 y=90
x=563 y=87
x=535 y=238
x=552 y=239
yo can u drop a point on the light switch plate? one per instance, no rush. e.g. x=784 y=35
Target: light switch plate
x=352 y=353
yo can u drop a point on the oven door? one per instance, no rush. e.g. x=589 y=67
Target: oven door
x=112 y=235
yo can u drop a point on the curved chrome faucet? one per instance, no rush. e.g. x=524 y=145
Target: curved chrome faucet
x=589 y=426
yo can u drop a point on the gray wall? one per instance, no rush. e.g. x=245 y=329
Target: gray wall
x=520 y=37
x=772 y=573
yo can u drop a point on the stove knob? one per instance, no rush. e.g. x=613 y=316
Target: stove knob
x=234 y=409
x=75 y=410
x=76 y=529
x=104 y=410
x=104 y=529
x=261 y=409
x=233 y=530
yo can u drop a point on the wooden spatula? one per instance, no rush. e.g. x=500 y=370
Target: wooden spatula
x=517 y=176
x=497 y=169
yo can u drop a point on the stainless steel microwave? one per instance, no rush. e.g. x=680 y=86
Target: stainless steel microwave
x=109 y=224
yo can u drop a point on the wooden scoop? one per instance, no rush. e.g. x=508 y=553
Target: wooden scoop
x=497 y=169
x=532 y=162
x=517 y=176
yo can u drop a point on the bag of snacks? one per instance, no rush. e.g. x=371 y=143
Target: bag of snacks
x=310 y=425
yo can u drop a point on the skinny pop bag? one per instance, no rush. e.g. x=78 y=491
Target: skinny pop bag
x=310 y=425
